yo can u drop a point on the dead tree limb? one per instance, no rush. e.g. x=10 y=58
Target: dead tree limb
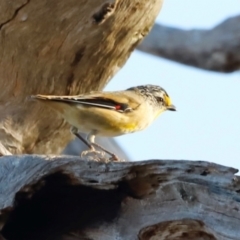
x=217 y=49
x=68 y=198
x=60 y=47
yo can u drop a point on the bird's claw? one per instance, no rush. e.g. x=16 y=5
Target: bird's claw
x=114 y=158
x=99 y=156
x=92 y=151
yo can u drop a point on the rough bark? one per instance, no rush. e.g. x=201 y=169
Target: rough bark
x=60 y=47
x=217 y=49
x=68 y=198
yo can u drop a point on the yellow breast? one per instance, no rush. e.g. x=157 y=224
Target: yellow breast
x=128 y=127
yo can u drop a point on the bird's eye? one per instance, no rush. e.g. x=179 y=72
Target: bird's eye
x=159 y=99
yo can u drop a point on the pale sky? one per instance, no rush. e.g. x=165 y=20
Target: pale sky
x=207 y=123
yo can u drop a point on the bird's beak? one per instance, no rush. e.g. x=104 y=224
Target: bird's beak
x=171 y=108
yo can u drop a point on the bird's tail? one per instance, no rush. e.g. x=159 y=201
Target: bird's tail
x=55 y=102
x=46 y=97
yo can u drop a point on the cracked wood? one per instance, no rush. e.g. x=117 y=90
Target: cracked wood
x=68 y=198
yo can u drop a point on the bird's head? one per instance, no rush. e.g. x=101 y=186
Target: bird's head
x=156 y=95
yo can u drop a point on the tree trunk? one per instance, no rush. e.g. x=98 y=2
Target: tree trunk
x=60 y=47
x=68 y=198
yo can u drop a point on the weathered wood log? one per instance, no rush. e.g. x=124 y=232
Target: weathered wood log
x=60 y=47
x=216 y=49
x=68 y=198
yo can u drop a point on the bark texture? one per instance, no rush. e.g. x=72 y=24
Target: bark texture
x=216 y=49
x=60 y=47
x=68 y=198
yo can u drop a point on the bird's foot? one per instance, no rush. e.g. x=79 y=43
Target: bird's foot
x=93 y=154
x=114 y=158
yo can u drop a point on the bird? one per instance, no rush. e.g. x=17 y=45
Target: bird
x=109 y=114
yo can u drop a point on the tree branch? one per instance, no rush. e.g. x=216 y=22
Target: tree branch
x=68 y=198
x=217 y=49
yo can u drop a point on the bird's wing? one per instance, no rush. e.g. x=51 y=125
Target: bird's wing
x=107 y=100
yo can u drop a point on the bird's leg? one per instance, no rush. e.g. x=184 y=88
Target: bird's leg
x=91 y=144
x=91 y=139
x=74 y=131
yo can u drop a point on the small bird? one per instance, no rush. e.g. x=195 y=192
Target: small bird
x=110 y=114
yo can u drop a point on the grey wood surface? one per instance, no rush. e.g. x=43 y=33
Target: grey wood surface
x=69 y=198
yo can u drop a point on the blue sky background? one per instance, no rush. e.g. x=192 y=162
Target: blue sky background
x=207 y=123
